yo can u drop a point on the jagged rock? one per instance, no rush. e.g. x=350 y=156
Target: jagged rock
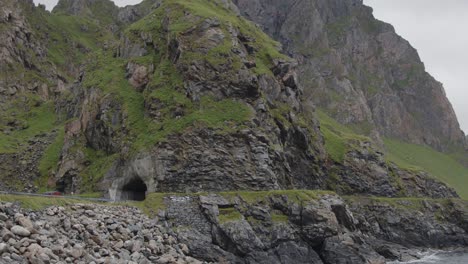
x=336 y=251
x=409 y=222
x=321 y=229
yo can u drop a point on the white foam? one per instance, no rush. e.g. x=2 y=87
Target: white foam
x=430 y=257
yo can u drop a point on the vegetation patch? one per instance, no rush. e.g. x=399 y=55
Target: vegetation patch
x=50 y=159
x=39 y=202
x=108 y=74
x=176 y=11
x=339 y=139
x=229 y=215
x=99 y=163
x=295 y=196
x=439 y=165
x=153 y=203
x=279 y=218
x=32 y=118
x=407 y=203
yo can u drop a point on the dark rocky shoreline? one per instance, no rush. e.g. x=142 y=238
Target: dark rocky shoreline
x=314 y=226
x=245 y=227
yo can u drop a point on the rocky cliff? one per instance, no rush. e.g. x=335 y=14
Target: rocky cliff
x=359 y=70
x=202 y=96
x=190 y=101
x=312 y=227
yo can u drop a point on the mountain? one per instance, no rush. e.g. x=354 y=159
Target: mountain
x=359 y=70
x=199 y=112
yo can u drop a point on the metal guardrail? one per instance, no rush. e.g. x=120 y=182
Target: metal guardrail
x=103 y=200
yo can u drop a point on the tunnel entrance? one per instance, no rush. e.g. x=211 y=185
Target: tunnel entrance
x=134 y=190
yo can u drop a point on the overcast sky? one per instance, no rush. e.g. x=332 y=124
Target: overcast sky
x=437 y=29
x=51 y=3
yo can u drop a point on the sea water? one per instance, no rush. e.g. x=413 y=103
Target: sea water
x=453 y=257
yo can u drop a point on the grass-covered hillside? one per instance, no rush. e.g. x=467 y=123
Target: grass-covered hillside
x=439 y=165
x=446 y=167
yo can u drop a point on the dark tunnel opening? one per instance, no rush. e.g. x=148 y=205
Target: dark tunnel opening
x=135 y=190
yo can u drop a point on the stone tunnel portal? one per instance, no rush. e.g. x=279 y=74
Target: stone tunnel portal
x=134 y=190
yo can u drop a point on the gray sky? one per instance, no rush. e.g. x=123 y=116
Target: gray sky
x=437 y=29
x=51 y=3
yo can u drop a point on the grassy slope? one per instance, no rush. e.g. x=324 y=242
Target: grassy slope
x=339 y=139
x=71 y=40
x=439 y=165
x=35 y=119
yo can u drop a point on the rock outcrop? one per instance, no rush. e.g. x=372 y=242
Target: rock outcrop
x=312 y=227
x=219 y=120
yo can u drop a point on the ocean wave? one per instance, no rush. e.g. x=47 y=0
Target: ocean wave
x=459 y=256
x=427 y=257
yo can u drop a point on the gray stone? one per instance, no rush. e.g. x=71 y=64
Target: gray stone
x=3 y=248
x=20 y=231
x=3 y=217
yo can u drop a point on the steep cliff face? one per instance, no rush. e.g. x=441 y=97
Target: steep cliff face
x=106 y=12
x=29 y=82
x=185 y=97
x=359 y=70
x=40 y=55
x=191 y=99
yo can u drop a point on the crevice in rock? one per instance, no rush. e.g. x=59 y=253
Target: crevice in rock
x=319 y=250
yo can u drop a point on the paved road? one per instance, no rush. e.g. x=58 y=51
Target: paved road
x=58 y=196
